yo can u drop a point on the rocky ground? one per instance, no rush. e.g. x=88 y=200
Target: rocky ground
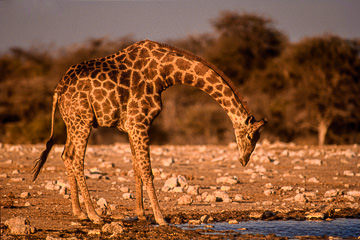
x=195 y=184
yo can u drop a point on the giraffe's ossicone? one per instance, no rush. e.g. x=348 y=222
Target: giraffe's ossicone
x=124 y=91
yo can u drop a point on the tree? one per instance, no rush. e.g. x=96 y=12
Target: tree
x=246 y=42
x=324 y=75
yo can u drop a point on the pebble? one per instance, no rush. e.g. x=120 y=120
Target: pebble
x=287 y=188
x=353 y=193
x=185 y=200
x=269 y=192
x=194 y=222
x=238 y=197
x=102 y=203
x=168 y=162
x=193 y=190
x=233 y=221
x=94 y=232
x=226 y=180
x=349 y=173
x=182 y=181
x=25 y=195
x=3 y=175
x=300 y=198
x=316 y=162
x=114 y=228
x=225 y=188
x=128 y=196
x=20 y=179
x=171 y=182
x=124 y=189
x=19 y=226
x=222 y=196
x=331 y=193
x=313 y=180
x=315 y=216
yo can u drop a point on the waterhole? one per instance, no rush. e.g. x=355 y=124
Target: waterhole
x=342 y=227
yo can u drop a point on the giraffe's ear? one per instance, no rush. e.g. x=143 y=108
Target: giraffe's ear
x=259 y=124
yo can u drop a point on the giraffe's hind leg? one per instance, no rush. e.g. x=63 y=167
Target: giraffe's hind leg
x=67 y=158
x=79 y=137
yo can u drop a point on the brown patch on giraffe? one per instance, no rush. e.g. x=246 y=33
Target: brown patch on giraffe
x=149 y=88
x=188 y=79
x=125 y=78
x=113 y=75
x=228 y=92
x=219 y=87
x=139 y=64
x=136 y=77
x=144 y=53
x=183 y=64
x=96 y=83
x=200 y=83
x=158 y=54
x=108 y=85
x=102 y=76
x=178 y=76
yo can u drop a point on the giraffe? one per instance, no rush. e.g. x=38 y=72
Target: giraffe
x=124 y=91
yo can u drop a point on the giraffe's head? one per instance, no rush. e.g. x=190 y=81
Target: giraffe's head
x=247 y=134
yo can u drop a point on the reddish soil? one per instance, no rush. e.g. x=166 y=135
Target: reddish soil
x=281 y=181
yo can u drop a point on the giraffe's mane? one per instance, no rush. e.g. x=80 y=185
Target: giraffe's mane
x=211 y=66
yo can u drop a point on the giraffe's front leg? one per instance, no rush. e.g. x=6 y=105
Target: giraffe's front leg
x=140 y=144
x=139 y=208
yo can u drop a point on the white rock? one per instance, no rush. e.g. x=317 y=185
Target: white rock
x=102 y=203
x=238 y=197
x=3 y=175
x=268 y=185
x=193 y=190
x=124 y=189
x=184 y=200
x=210 y=198
x=19 y=226
x=25 y=195
x=331 y=193
x=226 y=180
x=353 y=193
x=300 y=198
x=315 y=216
x=316 y=162
x=349 y=173
x=233 y=221
x=269 y=192
x=128 y=196
x=225 y=188
x=50 y=186
x=168 y=162
x=122 y=179
x=114 y=228
x=178 y=189
x=194 y=222
x=287 y=188
x=313 y=180
x=171 y=182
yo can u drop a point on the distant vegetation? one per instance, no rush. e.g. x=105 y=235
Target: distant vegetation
x=308 y=90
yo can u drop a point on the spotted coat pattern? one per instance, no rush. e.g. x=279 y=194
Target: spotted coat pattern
x=124 y=91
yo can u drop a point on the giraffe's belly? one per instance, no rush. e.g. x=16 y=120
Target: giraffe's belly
x=107 y=115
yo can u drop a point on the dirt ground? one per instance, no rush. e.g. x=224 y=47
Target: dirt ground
x=281 y=181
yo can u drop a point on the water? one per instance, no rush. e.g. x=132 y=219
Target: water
x=341 y=227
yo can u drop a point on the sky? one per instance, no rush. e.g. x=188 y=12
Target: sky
x=27 y=23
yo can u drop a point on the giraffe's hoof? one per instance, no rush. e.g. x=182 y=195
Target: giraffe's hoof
x=162 y=222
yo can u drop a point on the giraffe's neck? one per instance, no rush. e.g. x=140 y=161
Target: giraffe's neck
x=206 y=79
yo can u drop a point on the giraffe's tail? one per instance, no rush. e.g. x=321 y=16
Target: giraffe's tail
x=39 y=163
